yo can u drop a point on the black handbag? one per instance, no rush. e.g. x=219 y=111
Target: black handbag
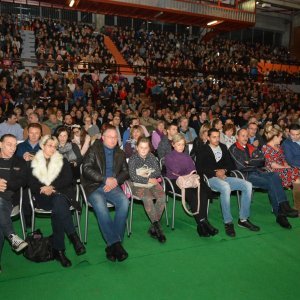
x=39 y=247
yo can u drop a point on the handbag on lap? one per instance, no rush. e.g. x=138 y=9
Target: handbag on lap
x=191 y=180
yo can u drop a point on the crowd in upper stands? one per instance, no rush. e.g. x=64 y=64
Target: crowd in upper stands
x=10 y=42
x=62 y=44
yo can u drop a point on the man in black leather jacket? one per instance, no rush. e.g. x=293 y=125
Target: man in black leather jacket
x=250 y=161
x=104 y=169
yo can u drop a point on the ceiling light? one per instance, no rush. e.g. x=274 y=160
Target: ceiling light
x=72 y=2
x=212 y=23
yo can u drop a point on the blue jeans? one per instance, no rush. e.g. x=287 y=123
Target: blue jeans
x=112 y=230
x=272 y=183
x=6 y=226
x=225 y=187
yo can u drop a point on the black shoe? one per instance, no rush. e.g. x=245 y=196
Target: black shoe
x=248 y=225
x=119 y=252
x=152 y=232
x=78 y=246
x=285 y=209
x=229 y=229
x=159 y=233
x=283 y=222
x=60 y=256
x=110 y=253
x=202 y=229
x=211 y=230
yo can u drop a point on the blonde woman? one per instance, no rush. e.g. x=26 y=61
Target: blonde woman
x=274 y=157
x=50 y=182
x=184 y=165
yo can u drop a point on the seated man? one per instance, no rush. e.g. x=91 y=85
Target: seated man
x=291 y=146
x=255 y=138
x=188 y=132
x=34 y=118
x=165 y=145
x=12 y=177
x=30 y=146
x=215 y=162
x=250 y=160
x=104 y=168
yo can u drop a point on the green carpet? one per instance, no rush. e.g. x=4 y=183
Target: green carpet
x=262 y=265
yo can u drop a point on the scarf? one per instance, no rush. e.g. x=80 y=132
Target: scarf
x=67 y=152
x=160 y=133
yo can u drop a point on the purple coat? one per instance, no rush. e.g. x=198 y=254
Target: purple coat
x=178 y=163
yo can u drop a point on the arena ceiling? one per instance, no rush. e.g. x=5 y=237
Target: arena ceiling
x=146 y=12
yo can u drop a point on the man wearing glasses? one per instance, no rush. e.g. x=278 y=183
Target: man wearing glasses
x=104 y=169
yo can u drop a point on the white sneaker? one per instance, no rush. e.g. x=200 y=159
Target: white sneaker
x=17 y=243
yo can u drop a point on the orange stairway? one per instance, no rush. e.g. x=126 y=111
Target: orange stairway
x=125 y=69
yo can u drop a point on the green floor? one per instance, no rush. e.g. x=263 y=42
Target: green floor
x=264 y=265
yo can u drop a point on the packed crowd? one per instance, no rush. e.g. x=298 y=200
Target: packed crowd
x=62 y=124
x=69 y=45
x=155 y=49
x=10 y=42
x=57 y=128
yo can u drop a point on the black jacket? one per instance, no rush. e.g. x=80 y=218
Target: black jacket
x=247 y=160
x=16 y=178
x=207 y=164
x=93 y=167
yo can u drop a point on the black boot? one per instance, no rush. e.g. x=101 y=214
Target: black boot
x=119 y=252
x=152 y=232
x=210 y=229
x=110 y=255
x=60 y=256
x=202 y=229
x=78 y=246
x=283 y=222
x=159 y=233
x=285 y=209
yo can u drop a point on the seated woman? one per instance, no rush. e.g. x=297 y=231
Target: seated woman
x=91 y=129
x=80 y=137
x=200 y=140
x=158 y=134
x=70 y=151
x=274 y=157
x=227 y=136
x=130 y=147
x=184 y=165
x=144 y=172
x=51 y=186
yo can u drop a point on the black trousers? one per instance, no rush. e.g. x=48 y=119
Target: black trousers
x=61 y=218
x=191 y=197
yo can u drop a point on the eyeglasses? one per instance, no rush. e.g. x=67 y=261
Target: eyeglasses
x=111 y=137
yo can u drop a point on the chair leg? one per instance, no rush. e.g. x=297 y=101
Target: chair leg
x=33 y=221
x=173 y=213
x=131 y=215
x=86 y=223
x=22 y=224
x=166 y=213
x=78 y=225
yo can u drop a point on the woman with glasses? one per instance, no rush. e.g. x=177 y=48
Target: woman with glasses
x=51 y=186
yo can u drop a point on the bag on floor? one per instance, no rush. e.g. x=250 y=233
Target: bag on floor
x=191 y=180
x=39 y=247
